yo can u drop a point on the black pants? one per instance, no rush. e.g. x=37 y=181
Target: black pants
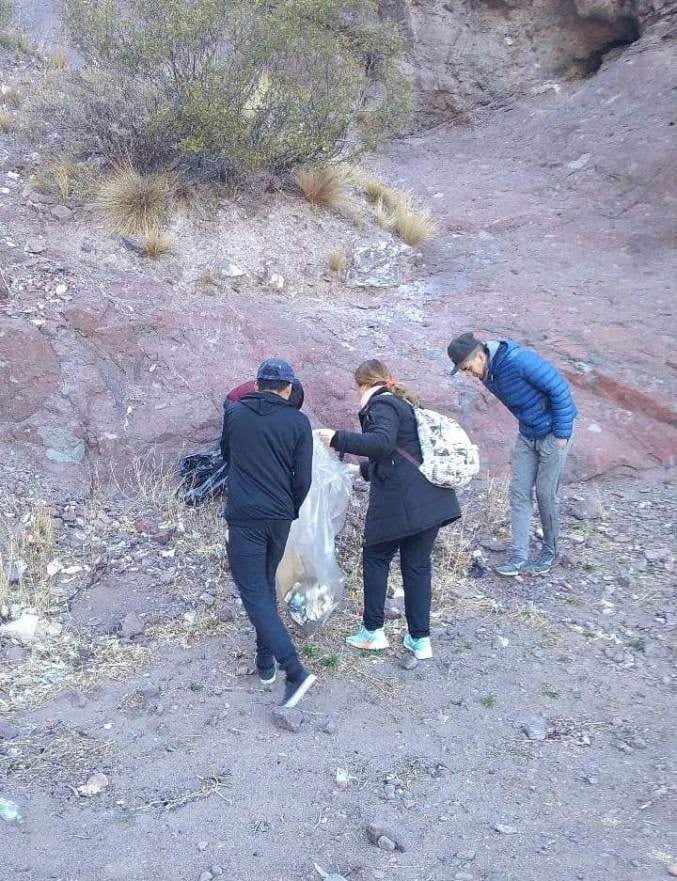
x=254 y=553
x=415 y=552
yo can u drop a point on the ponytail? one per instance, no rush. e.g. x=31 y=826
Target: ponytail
x=374 y=372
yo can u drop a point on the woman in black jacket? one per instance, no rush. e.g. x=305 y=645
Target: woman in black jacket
x=405 y=510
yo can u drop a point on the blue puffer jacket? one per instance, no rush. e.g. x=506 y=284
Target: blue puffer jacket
x=532 y=390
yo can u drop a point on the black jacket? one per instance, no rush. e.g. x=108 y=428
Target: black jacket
x=401 y=501
x=269 y=446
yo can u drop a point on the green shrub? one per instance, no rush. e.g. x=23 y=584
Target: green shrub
x=228 y=85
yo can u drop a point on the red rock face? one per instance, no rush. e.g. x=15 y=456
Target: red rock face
x=29 y=371
x=557 y=219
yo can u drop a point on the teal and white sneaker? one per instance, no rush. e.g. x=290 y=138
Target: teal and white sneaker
x=421 y=648
x=369 y=640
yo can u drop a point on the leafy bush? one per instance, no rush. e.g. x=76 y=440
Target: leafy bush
x=226 y=85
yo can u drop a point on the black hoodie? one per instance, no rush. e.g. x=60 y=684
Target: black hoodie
x=269 y=446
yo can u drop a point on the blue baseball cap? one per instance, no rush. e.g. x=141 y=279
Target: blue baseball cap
x=276 y=369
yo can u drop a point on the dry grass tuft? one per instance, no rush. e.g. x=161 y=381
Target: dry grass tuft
x=157 y=242
x=66 y=178
x=6 y=121
x=207 y=279
x=325 y=184
x=377 y=191
x=529 y=616
x=338 y=260
x=384 y=215
x=56 y=666
x=59 y=61
x=10 y=96
x=497 y=502
x=413 y=225
x=396 y=211
x=27 y=538
x=136 y=204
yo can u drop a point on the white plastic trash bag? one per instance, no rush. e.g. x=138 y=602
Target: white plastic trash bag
x=309 y=580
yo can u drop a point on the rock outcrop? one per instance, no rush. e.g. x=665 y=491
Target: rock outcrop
x=467 y=54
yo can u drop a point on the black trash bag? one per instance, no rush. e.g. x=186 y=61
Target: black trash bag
x=204 y=476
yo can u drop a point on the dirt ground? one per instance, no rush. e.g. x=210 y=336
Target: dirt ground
x=201 y=779
x=540 y=741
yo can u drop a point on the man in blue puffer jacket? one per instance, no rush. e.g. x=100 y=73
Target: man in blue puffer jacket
x=540 y=398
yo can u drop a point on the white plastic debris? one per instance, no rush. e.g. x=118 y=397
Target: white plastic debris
x=96 y=784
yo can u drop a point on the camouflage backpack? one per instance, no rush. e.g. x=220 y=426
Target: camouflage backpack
x=450 y=459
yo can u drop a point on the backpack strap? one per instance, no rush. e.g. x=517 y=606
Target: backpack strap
x=408 y=457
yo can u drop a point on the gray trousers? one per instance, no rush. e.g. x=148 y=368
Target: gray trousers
x=536 y=464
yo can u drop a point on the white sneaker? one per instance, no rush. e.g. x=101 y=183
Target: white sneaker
x=421 y=648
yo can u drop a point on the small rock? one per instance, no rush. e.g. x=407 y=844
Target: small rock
x=589 y=509
x=227 y=269
x=466 y=856
x=205 y=876
x=504 y=829
x=463 y=876
x=8 y=731
x=62 y=213
x=672 y=870
x=409 y=662
x=216 y=871
x=385 y=843
x=535 y=727
x=207 y=599
x=96 y=784
x=376 y=832
x=35 y=246
x=163 y=536
x=131 y=626
x=329 y=727
x=288 y=719
x=496 y=545
x=657 y=555
x=226 y=614
x=148 y=692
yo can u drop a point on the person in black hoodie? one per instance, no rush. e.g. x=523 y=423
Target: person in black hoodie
x=269 y=445
x=405 y=510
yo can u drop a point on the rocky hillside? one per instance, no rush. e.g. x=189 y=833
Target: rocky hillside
x=557 y=226
x=472 y=53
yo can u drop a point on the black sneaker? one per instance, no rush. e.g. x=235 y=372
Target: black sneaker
x=295 y=691
x=542 y=564
x=512 y=566
x=267 y=675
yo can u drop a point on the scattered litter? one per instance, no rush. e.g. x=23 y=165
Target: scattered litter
x=10 y=811
x=96 y=784
x=25 y=628
x=342 y=778
x=54 y=568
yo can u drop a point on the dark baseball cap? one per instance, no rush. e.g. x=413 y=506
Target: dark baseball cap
x=462 y=348
x=276 y=369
